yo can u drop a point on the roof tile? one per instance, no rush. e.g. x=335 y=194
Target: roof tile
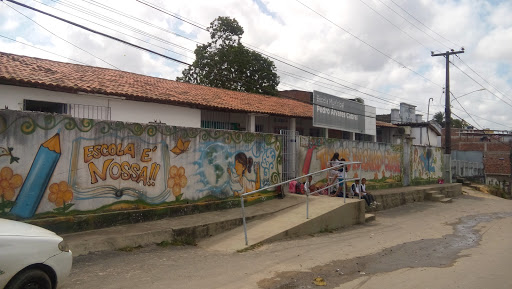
x=54 y=75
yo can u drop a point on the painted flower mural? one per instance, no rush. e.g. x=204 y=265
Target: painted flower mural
x=177 y=180
x=8 y=183
x=61 y=194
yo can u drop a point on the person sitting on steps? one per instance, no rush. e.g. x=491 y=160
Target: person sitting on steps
x=361 y=189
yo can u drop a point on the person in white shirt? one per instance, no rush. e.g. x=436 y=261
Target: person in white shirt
x=339 y=174
x=370 y=200
x=307 y=185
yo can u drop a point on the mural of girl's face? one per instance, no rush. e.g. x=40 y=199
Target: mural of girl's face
x=239 y=168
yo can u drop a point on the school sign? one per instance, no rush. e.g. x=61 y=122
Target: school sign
x=338 y=113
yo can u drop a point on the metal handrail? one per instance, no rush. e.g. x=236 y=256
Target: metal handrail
x=343 y=165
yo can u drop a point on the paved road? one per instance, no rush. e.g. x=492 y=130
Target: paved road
x=465 y=244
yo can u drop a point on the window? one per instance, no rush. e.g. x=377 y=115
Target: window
x=45 y=106
x=75 y=110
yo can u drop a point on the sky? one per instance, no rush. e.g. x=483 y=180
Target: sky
x=378 y=50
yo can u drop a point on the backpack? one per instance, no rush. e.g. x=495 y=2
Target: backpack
x=298 y=188
x=291 y=186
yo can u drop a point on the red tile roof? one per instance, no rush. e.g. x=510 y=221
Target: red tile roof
x=67 y=77
x=384 y=124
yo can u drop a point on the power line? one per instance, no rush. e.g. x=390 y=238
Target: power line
x=61 y=37
x=483 y=78
x=423 y=24
x=97 y=32
x=480 y=84
x=111 y=21
x=172 y=15
x=77 y=61
x=479 y=117
x=278 y=58
x=366 y=43
x=396 y=26
x=412 y=23
x=465 y=110
x=138 y=19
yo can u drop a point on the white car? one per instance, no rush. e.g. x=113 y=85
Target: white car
x=31 y=257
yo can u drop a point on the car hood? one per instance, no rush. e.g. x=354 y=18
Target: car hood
x=14 y=228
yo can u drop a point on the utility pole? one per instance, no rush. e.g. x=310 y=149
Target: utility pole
x=447 y=113
x=447 y=109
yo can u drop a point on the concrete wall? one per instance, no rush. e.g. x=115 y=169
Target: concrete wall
x=56 y=165
x=121 y=110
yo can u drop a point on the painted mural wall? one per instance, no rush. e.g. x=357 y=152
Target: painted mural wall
x=380 y=162
x=426 y=163
x=54 y=165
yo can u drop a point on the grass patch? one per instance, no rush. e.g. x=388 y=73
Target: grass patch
x=250 y=248
x=130 y=248
x=327 y=230
x=183 y=242
x=164 y=244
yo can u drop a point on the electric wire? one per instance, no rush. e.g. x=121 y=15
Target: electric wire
x=413 y=24
x=367 y=44
x=104 y=61
x=423 y=24
x=130 y=28
x=480 y=84
x=465 y=110
x=74 y=60
x=112 y=21
x=172 y=15
x=95 y=3
x=273 y=56
x=396 y=26
x=97 y=32
x=483 y=78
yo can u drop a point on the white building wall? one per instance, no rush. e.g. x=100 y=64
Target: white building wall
x=144 y=112
x=421 y=138
x=121 y=110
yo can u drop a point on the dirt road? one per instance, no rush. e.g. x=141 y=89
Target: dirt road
x=464 y=244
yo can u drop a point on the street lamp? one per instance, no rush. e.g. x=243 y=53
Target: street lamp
x=467 y=93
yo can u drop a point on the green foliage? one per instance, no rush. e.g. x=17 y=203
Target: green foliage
x=5 y=205
x=439 y=118
x=498 y=192
x=226 y=63
x=455 y=123
x=130 y=248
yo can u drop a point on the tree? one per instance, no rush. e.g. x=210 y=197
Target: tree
x=455 y=123
x=439 y=118
x=225 y=63
x=359 y=99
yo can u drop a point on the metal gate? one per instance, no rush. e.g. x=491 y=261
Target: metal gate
x=290 y=149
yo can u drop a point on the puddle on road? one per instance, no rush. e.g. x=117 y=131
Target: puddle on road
x=441 y=252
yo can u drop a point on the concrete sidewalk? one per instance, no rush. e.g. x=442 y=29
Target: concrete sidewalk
x=267 y=221
x=184 y=229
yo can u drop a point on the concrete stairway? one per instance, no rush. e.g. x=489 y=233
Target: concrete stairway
x=436 y=196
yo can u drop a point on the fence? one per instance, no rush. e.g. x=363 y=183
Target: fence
x=343 y=165
x=467 y=169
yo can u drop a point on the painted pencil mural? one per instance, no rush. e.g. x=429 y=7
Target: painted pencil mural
x=37 y=179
